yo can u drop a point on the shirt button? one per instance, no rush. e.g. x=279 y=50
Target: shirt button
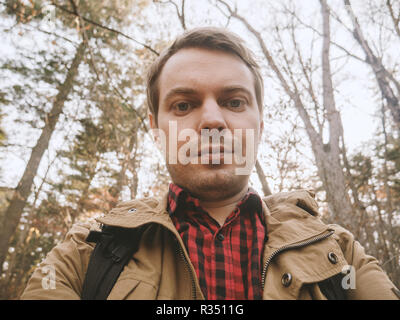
x=220 y=237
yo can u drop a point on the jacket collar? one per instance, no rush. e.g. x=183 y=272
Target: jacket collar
x=290 y=217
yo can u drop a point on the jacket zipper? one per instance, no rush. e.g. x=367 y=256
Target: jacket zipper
x=182 y=255
x=291 y=246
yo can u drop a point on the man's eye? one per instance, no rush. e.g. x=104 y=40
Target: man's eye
x=182 y=106
x=235 y=103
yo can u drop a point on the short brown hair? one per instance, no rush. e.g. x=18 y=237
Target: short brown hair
x=208 y=38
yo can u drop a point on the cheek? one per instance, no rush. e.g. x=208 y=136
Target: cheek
x=170 y=131
x=252 y=124
x=247 y=122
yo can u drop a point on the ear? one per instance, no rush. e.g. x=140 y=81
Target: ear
x=158 y=135
x=152 y=121
x=153 y=128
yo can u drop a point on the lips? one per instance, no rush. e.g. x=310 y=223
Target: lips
x=211 y=150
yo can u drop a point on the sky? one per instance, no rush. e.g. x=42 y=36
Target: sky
x=356 y=100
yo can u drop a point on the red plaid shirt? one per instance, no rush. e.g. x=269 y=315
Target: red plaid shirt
x=227 y=259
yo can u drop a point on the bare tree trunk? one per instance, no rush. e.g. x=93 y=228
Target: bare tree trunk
x=24 y=233
x=327 y=156
x=23 y=190
x=263 y=179
x=382 y=75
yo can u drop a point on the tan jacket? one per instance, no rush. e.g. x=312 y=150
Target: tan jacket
x=300 y=252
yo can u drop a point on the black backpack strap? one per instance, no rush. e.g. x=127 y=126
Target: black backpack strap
x=114 y=248
x=332 y=288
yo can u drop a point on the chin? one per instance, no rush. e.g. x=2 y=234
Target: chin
x=209 y=183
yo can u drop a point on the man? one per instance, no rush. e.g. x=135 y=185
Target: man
x=211 y=236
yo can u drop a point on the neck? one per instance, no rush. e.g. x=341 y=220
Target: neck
x=220 y=210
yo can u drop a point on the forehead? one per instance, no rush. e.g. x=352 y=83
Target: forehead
x=204 y=69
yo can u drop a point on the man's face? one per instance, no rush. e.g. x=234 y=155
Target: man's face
x=206 y=89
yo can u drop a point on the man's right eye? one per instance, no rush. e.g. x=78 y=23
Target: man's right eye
x=182 y=107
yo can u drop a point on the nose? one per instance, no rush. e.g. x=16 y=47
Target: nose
x=212 y=116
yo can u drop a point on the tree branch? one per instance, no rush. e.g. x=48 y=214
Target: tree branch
x=294 y=95
x=382 y=75
x=97 y=24
x=394 y=19
x=181 y=14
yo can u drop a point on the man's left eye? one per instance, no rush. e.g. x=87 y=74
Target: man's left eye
x=235 y=103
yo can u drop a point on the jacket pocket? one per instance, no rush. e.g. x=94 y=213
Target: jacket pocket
x=294 y=272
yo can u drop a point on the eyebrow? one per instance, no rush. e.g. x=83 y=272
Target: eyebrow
x=190 y=91
x=234 y=88
x=179 y=90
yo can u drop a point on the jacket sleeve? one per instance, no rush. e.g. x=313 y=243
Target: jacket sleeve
x=371 y=282
x=61 y=274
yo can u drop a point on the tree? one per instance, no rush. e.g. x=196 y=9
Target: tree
x=388 y=84
x=99 y=151
x=327 y=155
x=374 y=178
x=68 y=11
x=23 y=189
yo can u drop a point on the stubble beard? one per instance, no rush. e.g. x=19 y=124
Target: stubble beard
x=208 y=182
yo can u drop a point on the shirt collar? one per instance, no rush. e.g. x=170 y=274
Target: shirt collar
x=178 y=198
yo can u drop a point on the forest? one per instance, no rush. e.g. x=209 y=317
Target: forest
x=75 y=137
